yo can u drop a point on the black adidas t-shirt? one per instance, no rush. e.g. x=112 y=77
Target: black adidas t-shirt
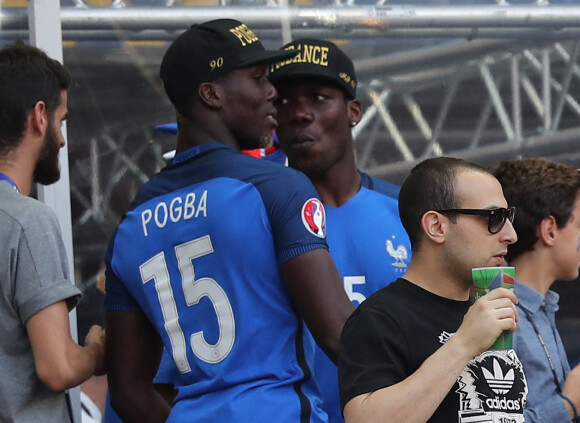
x=396 y=329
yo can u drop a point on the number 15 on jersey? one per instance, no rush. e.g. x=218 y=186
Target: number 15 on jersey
x=155 y=269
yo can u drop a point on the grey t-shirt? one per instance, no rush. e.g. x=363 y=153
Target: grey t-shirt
x=33 y=275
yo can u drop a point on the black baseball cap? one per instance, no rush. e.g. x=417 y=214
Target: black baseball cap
x=210 y=50
x=316 y=58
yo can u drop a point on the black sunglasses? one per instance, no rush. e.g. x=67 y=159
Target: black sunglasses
x=496 y=218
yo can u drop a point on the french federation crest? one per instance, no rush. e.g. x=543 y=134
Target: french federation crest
x=314 y=217
x=400 y=254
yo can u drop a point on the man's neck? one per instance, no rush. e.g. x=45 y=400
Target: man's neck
x=203 y=128
x=338 y=185
x=533 y=269
x=20 y=175
x=433 y=278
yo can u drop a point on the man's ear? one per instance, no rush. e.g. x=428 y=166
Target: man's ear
x=435 y=225
x=210 y=94
x=38 y=118
x=354 y=112
x=548 y=231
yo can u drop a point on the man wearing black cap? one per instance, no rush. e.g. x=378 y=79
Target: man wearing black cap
x=317 y=109
x=222 y=257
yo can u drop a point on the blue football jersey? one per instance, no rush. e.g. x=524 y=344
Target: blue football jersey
x=371 y=249
x=199 y=253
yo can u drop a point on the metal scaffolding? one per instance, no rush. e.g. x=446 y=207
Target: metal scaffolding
x=526 y=105
x=350 y=20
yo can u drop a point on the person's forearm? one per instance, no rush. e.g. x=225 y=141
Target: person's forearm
x=133 y=353
x=329 y=340
x=316 y=289
x=416 y=398
x=140 y=406
x=59 y=361
x=91 y=361
x=82 y=364
x=78 y=366
x=88 y=360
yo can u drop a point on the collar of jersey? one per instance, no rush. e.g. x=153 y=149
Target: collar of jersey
x=198 y=149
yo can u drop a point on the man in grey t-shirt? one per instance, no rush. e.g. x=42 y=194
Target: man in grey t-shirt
x=39 y=359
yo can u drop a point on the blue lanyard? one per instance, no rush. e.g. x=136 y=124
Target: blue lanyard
x=7 y=178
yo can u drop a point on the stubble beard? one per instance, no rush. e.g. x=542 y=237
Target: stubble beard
x=265 y=141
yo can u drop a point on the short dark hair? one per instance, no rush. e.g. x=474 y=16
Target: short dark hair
x=430 y=186
x=538 y=188
x=27 y=76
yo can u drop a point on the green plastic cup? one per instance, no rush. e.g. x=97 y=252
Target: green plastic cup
x=484 y=280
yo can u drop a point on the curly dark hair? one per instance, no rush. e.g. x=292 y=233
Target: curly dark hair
x=538 y=189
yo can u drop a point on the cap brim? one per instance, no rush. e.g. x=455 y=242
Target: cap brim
x=268 y=57
x=169 y=128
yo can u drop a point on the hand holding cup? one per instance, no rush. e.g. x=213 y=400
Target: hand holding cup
x=486 y=279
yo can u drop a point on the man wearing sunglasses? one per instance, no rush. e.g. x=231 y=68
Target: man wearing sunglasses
x=547 y=195
x=416 y=350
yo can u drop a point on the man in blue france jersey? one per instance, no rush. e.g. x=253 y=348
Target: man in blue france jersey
x=317 y=108
x=222 y=258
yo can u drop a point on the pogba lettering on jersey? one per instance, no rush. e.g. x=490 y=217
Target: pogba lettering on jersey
x=179 y=208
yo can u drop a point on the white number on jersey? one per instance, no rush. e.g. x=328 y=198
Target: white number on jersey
x=349 y=283
x=194 y=290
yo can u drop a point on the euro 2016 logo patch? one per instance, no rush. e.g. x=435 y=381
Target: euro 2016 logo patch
x=314 y=217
